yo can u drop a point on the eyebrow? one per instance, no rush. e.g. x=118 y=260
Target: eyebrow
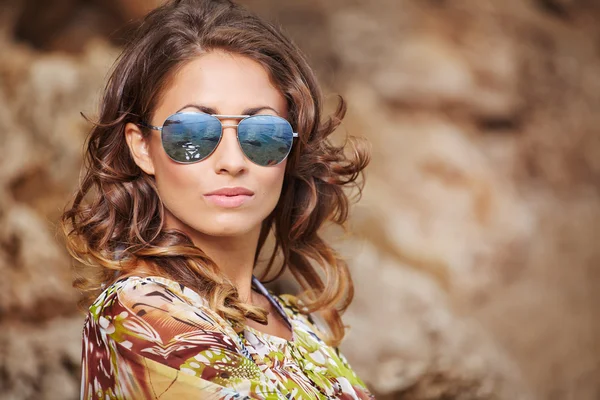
x=210 y=110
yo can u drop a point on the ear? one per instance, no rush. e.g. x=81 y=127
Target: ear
x=139 y=148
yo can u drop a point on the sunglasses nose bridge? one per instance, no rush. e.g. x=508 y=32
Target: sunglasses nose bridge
x=229 y=126
x=230 y=142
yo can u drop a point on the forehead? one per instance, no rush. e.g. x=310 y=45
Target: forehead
x=224 y=81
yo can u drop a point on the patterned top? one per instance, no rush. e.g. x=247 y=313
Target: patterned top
x=151 y=338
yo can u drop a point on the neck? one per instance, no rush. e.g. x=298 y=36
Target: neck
x=234 y=255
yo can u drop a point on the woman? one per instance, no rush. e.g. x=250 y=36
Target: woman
x=209 y=139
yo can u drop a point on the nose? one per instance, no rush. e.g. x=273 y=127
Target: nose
x=228 y=155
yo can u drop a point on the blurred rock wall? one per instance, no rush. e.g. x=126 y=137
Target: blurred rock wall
x=474 y=251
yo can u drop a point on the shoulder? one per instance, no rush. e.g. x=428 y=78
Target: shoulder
x=137 y=287
x=157 y=310
x=142 y=295
x=136 y=291
x=141 y=327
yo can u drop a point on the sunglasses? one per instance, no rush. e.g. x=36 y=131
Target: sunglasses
x=190 y=137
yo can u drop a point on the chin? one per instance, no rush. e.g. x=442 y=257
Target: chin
x=228 y=227
x=225 y=232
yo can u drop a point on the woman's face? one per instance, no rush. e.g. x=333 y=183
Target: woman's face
x=216 y=83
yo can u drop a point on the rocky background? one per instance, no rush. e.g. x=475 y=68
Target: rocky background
x=475 y=246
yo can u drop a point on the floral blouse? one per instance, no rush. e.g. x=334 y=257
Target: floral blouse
x=152 y=338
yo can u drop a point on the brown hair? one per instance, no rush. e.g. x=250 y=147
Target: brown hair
x=121 y=224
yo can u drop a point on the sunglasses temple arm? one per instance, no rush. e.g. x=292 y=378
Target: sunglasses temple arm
x=145 y=125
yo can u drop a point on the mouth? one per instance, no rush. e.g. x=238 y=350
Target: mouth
x=228 y=201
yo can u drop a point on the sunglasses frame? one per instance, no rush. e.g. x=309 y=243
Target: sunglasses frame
x=220 y=117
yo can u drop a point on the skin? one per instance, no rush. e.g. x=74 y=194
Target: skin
x=228 y=84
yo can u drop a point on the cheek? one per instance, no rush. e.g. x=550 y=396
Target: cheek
x=272 y=181
x=169 y=175
x=172 y=178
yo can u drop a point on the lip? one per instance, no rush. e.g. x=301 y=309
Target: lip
x=231 y=191
x=228 y=201
x=230 y=197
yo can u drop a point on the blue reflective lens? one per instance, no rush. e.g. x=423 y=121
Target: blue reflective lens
x=265 y=139
x=190 y=137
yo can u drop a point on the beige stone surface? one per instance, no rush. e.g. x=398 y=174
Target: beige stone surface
x=482 y=123
x=475 y=247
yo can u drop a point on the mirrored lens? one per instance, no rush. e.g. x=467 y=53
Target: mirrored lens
x=190 y=137
x=265 y=139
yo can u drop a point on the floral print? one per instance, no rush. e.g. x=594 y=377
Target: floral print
x=152 y=338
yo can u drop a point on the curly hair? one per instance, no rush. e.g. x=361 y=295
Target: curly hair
x=116 y=219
